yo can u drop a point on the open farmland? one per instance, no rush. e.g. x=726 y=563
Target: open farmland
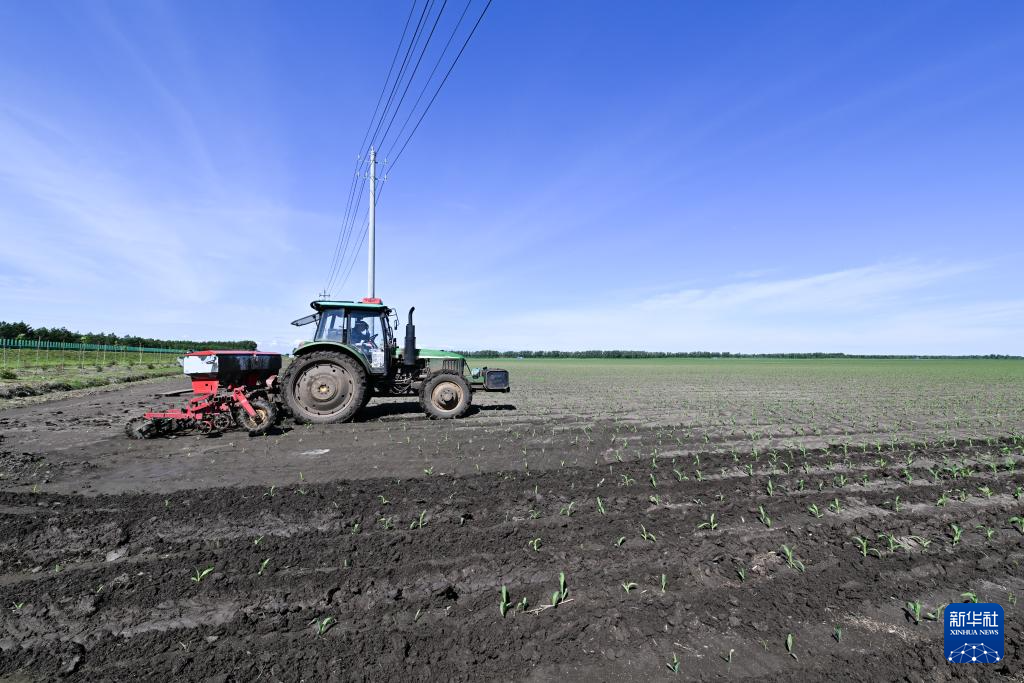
x=743 y=518
x=28 y=371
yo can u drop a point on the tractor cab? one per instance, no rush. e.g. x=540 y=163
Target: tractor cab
x=363 y=326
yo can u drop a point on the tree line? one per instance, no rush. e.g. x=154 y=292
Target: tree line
x=21 y=330
x=490 y=353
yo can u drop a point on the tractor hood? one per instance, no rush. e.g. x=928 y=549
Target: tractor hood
x=433 y=353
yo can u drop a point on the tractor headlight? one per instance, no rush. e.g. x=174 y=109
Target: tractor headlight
x=475 y=372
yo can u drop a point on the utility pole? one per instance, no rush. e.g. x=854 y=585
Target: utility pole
x=373 y=217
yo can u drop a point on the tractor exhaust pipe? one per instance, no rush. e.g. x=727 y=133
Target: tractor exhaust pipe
x=409 y=353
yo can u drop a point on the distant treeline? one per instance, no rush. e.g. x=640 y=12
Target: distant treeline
x=490 y=353
x=61 y=334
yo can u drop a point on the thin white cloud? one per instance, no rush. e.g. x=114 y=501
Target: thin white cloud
x=886 y=308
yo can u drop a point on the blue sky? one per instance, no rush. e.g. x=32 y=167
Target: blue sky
x=747 y=177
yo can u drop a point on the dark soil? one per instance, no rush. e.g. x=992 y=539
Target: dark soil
x=102 y=587
x=400 y=532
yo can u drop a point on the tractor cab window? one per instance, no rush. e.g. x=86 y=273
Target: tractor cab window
x=366 y=333
x=331 y=327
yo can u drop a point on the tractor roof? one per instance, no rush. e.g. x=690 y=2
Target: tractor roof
x=368 y=304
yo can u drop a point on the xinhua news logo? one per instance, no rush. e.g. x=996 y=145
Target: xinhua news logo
x=974 y=633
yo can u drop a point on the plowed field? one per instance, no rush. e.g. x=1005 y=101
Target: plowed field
x=771 y=521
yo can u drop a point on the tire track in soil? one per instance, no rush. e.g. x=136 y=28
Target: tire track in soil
x=104 y=589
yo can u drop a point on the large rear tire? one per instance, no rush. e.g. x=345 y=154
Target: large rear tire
x=324 y=386
x=445 y=396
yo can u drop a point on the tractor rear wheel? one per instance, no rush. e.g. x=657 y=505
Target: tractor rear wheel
x=265 y=417
x=324 y=386
x=446 y=395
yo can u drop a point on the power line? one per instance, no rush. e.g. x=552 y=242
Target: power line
x=401 y=71
x=412 y=76
x=347 y=249
x=348 y=227
x=443 y=81
x=433 y=71
x=344 y=233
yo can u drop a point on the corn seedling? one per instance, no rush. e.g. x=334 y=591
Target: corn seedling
x=957 y=533
x=935 y=614
x=1017 y=522
x=815 y=512
x=921 y=541
x=770 y=488
x=505 y=603
x=728 y=657
x=763 y=516
x=673 y=666
x=419 y=522
x=943 y=499
x=862 y=545
x=893 y=542
x=913 y=610
x=791 y=559
x=664 y=583
x=263 y=566
x=646 y=535
x=201 y=574
x=600 y=506
x=567 y=510
x=835 y=506
x=709 y=524
x=742 y=573
x=895 y=504
x=620 y=541
x=789 y=645
x=324 y=625
x=987 y=530
x=837 y=633
x=654 y=500
x=628 y=586
x=971 y=596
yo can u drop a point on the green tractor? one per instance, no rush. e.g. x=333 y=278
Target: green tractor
x=354 y=356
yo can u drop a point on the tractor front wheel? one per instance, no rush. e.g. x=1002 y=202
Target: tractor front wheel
x=324 y=386
x=446 y=395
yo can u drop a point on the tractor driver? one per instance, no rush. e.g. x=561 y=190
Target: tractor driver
x=361 y=334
